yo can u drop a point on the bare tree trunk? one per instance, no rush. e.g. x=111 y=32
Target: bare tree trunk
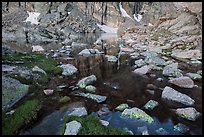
x=105 y=12
x=19 y=4
x=92 y=8
x=86 y=8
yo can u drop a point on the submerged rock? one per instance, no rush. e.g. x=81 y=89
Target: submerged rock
x=137 y=113
x=181 y=128
x=85 y=81
x=151 y=104
x=143 y=130
x=78 y=111
x=122 y=107
x=143 y=70
x=161 y=131
x=103 y=111
x=173 y=95
x=97 y=98
x=183 y=82
x=194 y=76
x=189 y=113
x=68 y=69
x=12 y=91
x=72 y=128
x=111 y=58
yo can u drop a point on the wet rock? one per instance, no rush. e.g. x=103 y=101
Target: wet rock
x=48 y=91
x=97 y=98
x=154 y=67
x=90 y=88
x=183 y=82
x=87 y=80
x=181 y=128
x=72 y=128
x=12 y=91
x=173 y=95
x=127 y=49
x=143 y=130
x=172 y=70
x=37 y=69
x=143 y=70
x=189 y=113
x=111 y=58
x=195 y=61
x=137 y=113
x=161 y=131
x=151 y=104
x=139 y=63
x=68 y=69
x=67 y=42
x=8 y=68
x=37 y=48
x=104 y=123
x=88 y=52
x=122 y=107
x=10 y=112
x=77 y=111
x=194 y=76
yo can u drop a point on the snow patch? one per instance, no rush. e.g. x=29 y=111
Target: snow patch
x=33 y=17
x=124 y=13
x=107 y=29
x=138 y=18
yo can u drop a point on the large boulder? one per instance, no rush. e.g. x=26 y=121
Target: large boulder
x=183 y=82
x=72 y=128
x=138 y=114
x=172 y=70
x=111 y=58
x=12 y=91
x=87 y=80
x=189 y=113
x=68 y=69
x=173 y=95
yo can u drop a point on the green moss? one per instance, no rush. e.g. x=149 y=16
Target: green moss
x=24 y=114
x=57 y=70
x=30 y=60
x=64 y=99
x=92 y=126
x=23 y=80
x=82 y=85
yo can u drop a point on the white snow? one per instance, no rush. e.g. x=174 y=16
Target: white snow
x=138 y=18
x=107 y=29
x=33 y=17
x=124 y=13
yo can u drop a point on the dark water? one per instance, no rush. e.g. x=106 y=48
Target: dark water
x=120 y=85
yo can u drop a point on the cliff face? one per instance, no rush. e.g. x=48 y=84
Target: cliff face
x=63 y=18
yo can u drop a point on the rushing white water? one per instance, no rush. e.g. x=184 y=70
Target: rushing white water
x=107 y=29
x=33 y=17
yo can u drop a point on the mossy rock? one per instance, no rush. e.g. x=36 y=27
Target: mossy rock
x=23 y=115
x=122 y=107
x=64 y=99
x=91 y=125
